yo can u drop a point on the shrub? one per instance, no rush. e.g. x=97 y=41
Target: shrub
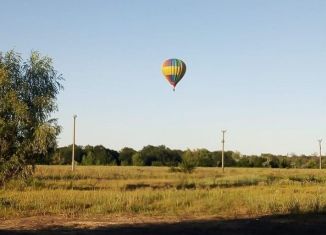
x=188 y=163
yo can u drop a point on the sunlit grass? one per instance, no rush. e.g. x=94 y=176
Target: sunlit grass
x=155 y=191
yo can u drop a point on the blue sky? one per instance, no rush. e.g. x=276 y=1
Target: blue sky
x=255 y=68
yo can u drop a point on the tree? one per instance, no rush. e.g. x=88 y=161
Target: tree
x=217 y=158
x=28 y=92
x=284 y=162
x=159 y=155
x=125 y=156
x=228 y=158
x=88 y=158
x=244 y=162
x=204 y=158
x=63 y=155
x=137 y=159
x=274 y=162
x=101 y=155
x=113 y=157
x=148 y=154
x=175 y=157
x=311 y=163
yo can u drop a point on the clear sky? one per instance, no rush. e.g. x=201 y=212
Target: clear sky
x=255 y=68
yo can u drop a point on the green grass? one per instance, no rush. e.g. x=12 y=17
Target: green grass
x=98 y=191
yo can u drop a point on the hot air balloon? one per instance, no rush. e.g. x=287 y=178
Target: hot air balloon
x=173 y=70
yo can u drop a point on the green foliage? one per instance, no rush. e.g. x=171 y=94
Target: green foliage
x=137 y=159
x=163 y=156
x=113 y=157
x=28 y=91
x=228 y=159
x=204 y=158
x=100 y=155
x=88 y=159
x=151 y=153
x=251 y=161
x=274 y=162
x=125 y=156
x=311 y=164
x=63 y=155
x=189 y=162
x=284 y=163
x=166 y=156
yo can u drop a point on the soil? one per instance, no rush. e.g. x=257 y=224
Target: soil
x=287 y=224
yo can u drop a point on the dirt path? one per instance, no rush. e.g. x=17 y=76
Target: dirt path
x=298 y=224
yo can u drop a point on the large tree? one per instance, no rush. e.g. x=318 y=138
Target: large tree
x=125 y=156
x=28 y=92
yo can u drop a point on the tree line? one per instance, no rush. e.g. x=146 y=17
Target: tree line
x=164 y=156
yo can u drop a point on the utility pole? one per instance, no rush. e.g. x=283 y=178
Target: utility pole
x=319 y=141
x=223 y=141
x=73 y=145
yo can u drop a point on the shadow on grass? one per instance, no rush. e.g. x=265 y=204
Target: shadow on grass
x=286 y=224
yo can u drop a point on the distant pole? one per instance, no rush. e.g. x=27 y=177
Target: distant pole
x=319 y=141
x=223 y=141
x=73 y=145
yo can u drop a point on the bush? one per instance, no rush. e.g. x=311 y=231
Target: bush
x=188 y=163
x=187 y=167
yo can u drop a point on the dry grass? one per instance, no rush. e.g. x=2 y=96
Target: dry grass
x=155 y=191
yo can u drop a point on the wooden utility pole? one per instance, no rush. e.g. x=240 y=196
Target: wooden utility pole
x=319 y=141
x=73 y=145
x=223 y=141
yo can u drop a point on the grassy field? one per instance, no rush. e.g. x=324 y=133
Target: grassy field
x=106 y=191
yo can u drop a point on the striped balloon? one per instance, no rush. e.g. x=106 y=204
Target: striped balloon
x=173 y=70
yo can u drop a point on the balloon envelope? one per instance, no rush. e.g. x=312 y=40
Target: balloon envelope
x=173 y=70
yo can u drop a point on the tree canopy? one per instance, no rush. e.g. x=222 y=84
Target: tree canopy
x=28 y=92
x=163 y=156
